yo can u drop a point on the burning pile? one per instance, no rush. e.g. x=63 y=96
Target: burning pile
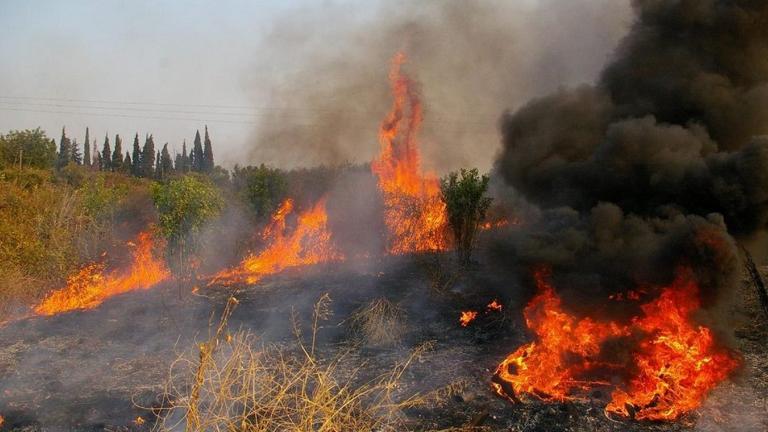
x=89 y=287
x=675 y=364
x=309 y=243
x=413 y=211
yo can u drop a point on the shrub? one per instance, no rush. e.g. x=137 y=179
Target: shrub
x=466 y=204
x=262 y=187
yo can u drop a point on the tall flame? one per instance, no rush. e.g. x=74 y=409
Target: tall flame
x=675 y=365
x=89 y=287
x=414 y=214
x=308 y=243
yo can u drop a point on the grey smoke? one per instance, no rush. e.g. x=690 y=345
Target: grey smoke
x=472 y=58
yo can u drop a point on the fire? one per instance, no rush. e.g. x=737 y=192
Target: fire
x=308 y=243
x=413 y=211
x=675 y=365
x=494 y=306
x=467 y=317
x=89 y=287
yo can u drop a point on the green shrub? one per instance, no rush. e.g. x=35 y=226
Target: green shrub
x=464 y=196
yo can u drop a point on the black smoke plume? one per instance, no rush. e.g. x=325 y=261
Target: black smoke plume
x=661 y=160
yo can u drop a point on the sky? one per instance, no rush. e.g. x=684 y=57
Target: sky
x=171 y=67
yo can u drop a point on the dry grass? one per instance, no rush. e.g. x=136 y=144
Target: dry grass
x=380 y=323
x=237 y=383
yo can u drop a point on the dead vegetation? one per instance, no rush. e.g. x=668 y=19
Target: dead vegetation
x=380 y=323
x=240 y=383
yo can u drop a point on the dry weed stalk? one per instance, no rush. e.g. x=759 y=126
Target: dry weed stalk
x=379 y=323
x=241 y=384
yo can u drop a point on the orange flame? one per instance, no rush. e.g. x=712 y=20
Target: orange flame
x=413 y=211
x=677 y=362
x=309 y=243
x=494 y=306
x=89 y=287
x=467 y=317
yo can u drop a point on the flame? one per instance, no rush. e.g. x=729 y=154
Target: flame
x=89 y=287
x=675 y=365
x=414 y=214
x=309 y=243
x=678 y=362
x=467 y=317
x=494 y=306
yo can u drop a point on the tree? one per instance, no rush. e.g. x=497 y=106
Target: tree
x=197 y=154
x=75 y=155
x=127 y=163
x=157 y=171
x=96 y=163
x=136 y=163
x=106 y=155
x=466 y=204
x=207 y=154
x=87 y=150
x=27 y=148
x=165 y=164
x=65 y=150
x=117 y=155
x=148 y=157
x=184 y=205
x=185 y=162
x=262 y=187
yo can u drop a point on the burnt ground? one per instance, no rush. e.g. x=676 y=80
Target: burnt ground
x=92 y=370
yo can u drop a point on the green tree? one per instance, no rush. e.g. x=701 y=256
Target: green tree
x=127 y=163
x=136 y=162
x=31 y=145
x=207 y=154
x=262 y=187
x=166 y=164
x=466 y=204
x=117 y=155
x=65 y=150
x=87 y=150
x=148 y=157
x=106 y=155
x=184 y=206
x=197 y=154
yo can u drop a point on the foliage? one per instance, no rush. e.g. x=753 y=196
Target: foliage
x=37 y=150
x=262 y=187
x=184 y=205
x=466 y=204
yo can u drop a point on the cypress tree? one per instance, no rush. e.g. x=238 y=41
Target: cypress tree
x=106 y=155
x=127 y=165
x=76 y=157
x=65 y=150
x=185 y=162
x=87 y=150
x=197 y=154
x=117 y=155
x=96 y=163
x=148 y=158
x=99 y=163
x=166 y=164
x=158 y=168
x=136 y=165
x=207 y=153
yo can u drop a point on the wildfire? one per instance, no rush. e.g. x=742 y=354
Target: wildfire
x=413 y=211
x=467 y=317
x=308 y=243
x=89 y=287
x=494 y=306
x=675 y=365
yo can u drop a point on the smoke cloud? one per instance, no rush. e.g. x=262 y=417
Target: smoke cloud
x=473 y=59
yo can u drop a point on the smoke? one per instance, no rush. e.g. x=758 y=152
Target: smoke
x=660 y=161
x=473 y=58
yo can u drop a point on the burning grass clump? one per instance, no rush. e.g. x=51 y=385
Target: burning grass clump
x=239 y=383
x=380 y=323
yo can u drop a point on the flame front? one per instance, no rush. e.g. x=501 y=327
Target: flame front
x=414 y=214
x=309 y=243
x=676 y=363
x=89 y=287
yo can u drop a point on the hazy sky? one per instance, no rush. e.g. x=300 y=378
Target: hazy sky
x=168 y=68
